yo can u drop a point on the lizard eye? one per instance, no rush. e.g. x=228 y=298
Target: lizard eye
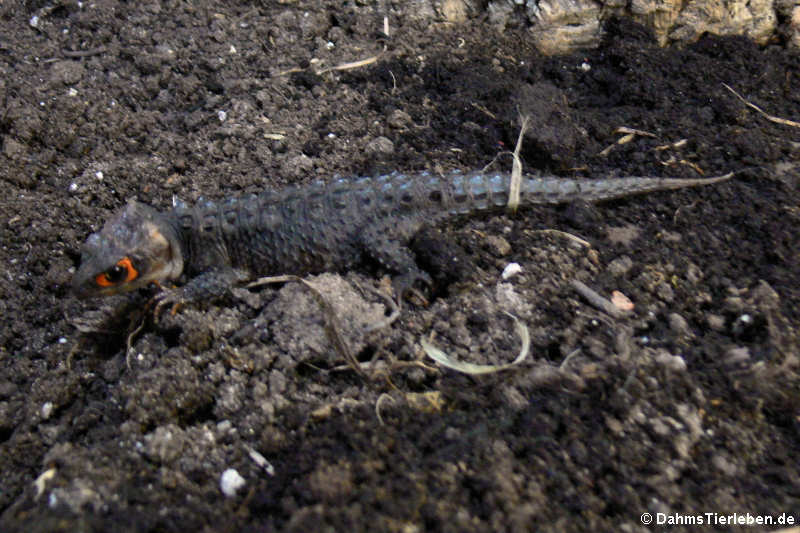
x=115 y=274
x=123 y=271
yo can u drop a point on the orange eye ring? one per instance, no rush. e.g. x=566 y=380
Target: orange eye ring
x=122 y=272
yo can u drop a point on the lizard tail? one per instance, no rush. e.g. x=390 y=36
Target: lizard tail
x=560 y=190
x=480 y=191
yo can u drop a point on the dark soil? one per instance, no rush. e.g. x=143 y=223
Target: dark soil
x=690 y=405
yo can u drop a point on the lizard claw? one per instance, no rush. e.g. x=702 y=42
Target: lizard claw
x=405 y=285
x=164 y=298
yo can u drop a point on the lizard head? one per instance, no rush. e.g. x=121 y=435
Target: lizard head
x=136 y=246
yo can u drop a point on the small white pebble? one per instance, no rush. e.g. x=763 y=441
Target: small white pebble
x=73 y=187
x=675 y=363
x=62 y=340
x=222 y=115
x=232 y=50
x=34 y=21
x=329 y=45
x=331 y=135
x=511 y=269
x=99 y=175
x=743 y=322
x=47 y=410
x=586 y=67
x=231 y=482
x=72 y=91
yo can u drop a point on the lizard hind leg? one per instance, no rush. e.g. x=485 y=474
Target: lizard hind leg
x=398 y=260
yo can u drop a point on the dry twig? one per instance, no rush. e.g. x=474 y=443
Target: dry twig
x=596 y=300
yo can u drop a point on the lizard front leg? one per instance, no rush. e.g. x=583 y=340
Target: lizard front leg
x=209 y=285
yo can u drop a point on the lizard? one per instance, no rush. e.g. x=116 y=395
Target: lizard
x=310 y=229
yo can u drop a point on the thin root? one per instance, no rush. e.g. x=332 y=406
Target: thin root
x=354 y=64
x=473 y=369
x=378 y=403
x=129 y=343
x=569 y=236
x=394 y=305
x=769 y=117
